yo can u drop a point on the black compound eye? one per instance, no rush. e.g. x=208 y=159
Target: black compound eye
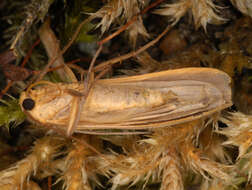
x=28 y=104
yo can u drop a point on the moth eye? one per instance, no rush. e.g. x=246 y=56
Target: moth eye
x=28 y=104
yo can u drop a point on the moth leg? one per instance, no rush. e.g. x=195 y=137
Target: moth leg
x=77 y=104
x=75 y=111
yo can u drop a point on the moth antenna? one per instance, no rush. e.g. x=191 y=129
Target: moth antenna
x=41 y=82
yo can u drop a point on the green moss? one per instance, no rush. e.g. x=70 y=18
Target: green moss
x=77 y=12
x=10 y=112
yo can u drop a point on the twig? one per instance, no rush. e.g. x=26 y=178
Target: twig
x=90 y=70
x=70 y=64
x=131 y=54
x=3 y=92
x=28 y=55
x=103 y=72
x=49 y=183
x=17 y=37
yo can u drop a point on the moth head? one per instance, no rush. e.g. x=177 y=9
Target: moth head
x=46 y=104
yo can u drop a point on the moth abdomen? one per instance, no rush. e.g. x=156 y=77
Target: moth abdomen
x=105 y=98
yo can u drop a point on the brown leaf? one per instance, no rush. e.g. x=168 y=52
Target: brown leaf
x=15 y=73
x=12 y=72
x=7 y=57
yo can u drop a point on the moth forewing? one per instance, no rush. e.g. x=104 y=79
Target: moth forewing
x=146 y=101
x=217 y=78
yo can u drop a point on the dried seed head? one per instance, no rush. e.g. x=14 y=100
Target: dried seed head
x=203 y=12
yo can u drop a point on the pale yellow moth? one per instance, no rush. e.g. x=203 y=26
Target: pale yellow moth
x=139 y=102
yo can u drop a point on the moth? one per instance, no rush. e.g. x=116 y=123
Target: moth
x=145 y=102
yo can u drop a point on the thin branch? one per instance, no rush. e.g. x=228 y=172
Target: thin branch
x=90 y=70
x=28 y=55
x=131 y=54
